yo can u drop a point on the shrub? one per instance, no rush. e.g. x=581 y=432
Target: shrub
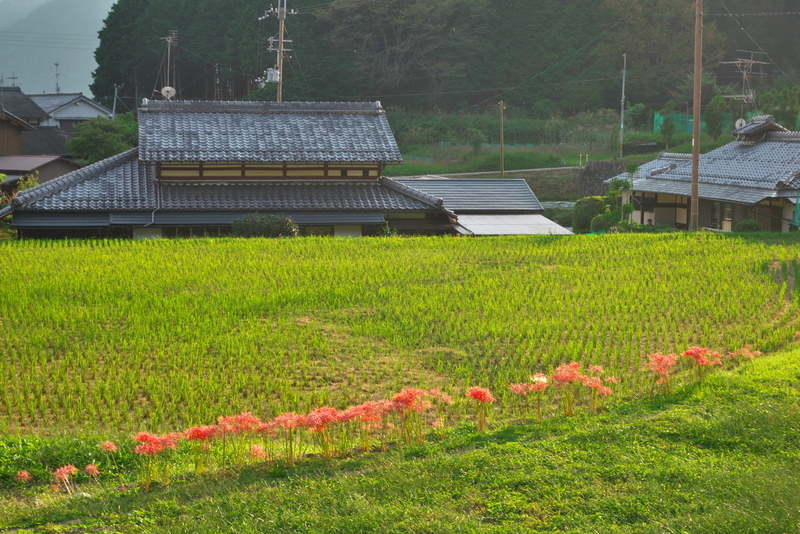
x=748 y=225
x=585 y=210
x=604 y=221
x=264 y=225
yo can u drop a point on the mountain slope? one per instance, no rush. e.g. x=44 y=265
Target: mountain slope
x=59 y=31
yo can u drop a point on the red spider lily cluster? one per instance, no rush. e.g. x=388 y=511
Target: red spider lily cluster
x=402 y=419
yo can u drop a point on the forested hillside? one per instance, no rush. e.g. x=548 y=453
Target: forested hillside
x=557 y=55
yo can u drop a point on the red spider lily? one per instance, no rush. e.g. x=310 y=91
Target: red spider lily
x=604 y=391
x=200 y=433
x=411 y=399
x=92 y=471
x=24 y=477
x=146 y=437
x=257 y=452
x=612 y=379
x=703 y=356
x=289 y=420
x=520 y=389
x=539 y=382
x=596 y=369
x=149 y=449
x=483 y=398
x=661 y=364
x=593 y=382
x=243 y=422
x=108 y=446
x=481 y=395
x=567 y=374
x=170 y=441
x=439 y=396
x=320 y=418
x=745 y=352
x=63 y=477
x=63 y=473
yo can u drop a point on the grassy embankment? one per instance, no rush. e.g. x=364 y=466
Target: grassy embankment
x=718 y=457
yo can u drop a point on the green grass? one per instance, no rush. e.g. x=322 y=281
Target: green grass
x=124 y=336
x=717 y=457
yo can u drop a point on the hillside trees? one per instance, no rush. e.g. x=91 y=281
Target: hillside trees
x=658 y=37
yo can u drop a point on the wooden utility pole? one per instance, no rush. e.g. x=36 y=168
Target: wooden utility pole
x=694 y=213
x=622 y=109
x=502 y=141
x=276 y=75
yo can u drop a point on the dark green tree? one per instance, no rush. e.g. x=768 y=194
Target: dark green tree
x=715 y=116
x=101 y=138
x=668 y=128
x=783 y=105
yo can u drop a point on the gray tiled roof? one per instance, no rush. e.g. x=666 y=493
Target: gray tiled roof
x=45 y=140
x=52 y=102
x=121 y=182
x=125 y=183
x=272 y=132
x=724 y=193
x=771 y=164
x=20 y=104
x=463 y=195
x=758 y=126
x=285 y=196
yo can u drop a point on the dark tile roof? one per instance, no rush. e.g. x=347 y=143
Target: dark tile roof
x=273 y=132
x=771 y=165
x=45 y=140
x=7 y=116
x=20 y=104
x=121 y=182
x=463 y=195
x=724 y=193
x=125 y=183
x=757 y=127
x=286 y=196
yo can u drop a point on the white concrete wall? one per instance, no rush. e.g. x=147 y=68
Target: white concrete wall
x=146 y=233
x=347 y=231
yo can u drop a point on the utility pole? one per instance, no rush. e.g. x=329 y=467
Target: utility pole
x=276 y=75
x=58 y=89
x=622 y=109
x=694 y=214
x=502 y=141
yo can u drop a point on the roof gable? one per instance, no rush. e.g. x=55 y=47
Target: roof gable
x=269 y=132
x=52 y=103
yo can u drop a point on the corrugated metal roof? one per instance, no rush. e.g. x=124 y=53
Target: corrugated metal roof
x=725 y=193
x=463 y=195
x=24 y=164
x=269 y=132
x=517 y=224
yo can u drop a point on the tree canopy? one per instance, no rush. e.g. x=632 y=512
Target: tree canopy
x=544 y=56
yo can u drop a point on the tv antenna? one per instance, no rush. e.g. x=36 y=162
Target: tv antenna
x=275 y=75
x=745 y=67
x=58 y=89
x=168 y=91
x=13 y=79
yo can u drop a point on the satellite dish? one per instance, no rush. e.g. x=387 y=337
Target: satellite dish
x=740 y=123
x=168 y=92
